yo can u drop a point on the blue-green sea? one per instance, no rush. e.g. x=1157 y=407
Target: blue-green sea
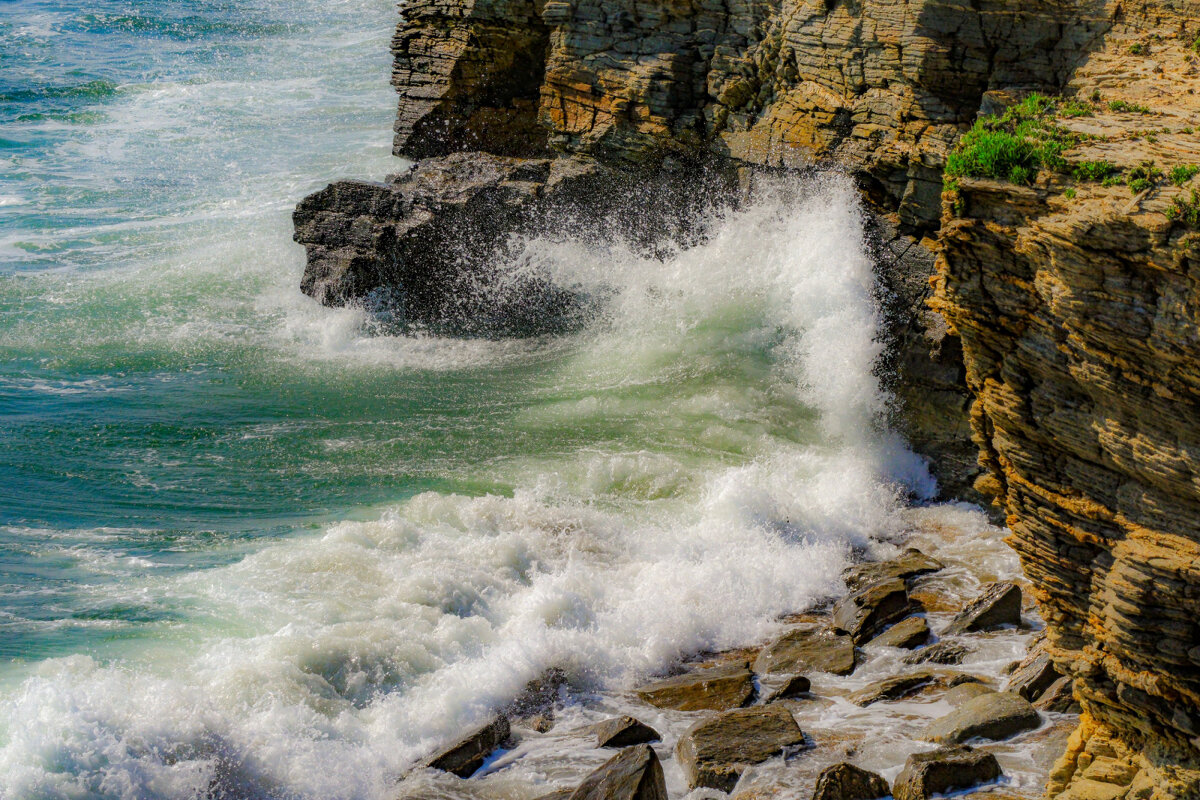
x=252 y=547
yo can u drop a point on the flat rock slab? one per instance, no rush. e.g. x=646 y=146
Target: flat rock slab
x=794 y=686
x=998 y=715
x=910 y=564
x=892 y=688
x=716 y=751
x=848 y=782
x=944 y=770
x=468 y=754
x=965 y=692
x=632 y=774
x=949 y=653
x=713 y=689
x=906 y=634
x=623 y=731
x=1000 y=604
x=807 y=648
x=866 y=612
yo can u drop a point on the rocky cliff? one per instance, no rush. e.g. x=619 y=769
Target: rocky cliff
x=1065 y=348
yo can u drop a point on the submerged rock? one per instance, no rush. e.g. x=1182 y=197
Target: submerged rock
x=905 y=634
x=911 y=564
x=623 y=732
x=633 y=774
x=948 y=653
x=867 y=611
x=468 y=754
x=1000 y=604
x=848 y=782
x=995 y=715
x=712 y=689
x=944 y=770
x=808 y=648
x=716 y=751
x=793 y=686
x=892 y=688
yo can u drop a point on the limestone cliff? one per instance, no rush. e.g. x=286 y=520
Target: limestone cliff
x=1066 y=344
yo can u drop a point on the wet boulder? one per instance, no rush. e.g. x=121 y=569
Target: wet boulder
x=867 y=611
x=965 y=692
x=944 y=770
x=715 y=752
x=807 y=648
x=468 y=754
x=848 y=782
x=1000 y=604
x=997 y=715
x=633 y=774
x=948 y=653
x=910 y=564
x=1059 y=696
x=893 y=688
x=712 y=689
x=624 y=731
x=906 y=634
x=793 y=686
x=1033 y=676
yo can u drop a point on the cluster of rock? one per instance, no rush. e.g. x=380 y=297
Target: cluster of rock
x=745 y=707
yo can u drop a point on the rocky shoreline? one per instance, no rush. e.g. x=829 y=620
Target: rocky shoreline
x=930 y=647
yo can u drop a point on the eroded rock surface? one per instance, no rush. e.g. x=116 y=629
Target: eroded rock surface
x=715 y=688
x=808 y=648
x=715 y=751
x=944 y=770
x=848 y=782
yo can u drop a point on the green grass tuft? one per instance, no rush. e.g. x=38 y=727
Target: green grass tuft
x=1132 y=108
x=1013 y=147
x=1093 y=170
x=1182 y=174
x=1143 y=177
x=1186 y=211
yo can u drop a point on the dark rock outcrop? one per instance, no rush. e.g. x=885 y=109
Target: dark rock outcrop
x=632 y=774
x=807 y=648
x=948 y=653
x=715 y=751
x=623 y=732
x=893 y=688
x=848 y=782
x=1000 y=604
x=905 y=634
x=468 y=754
x=912 y=563
x=865 y=612
x=944 y=770
x=793 y=686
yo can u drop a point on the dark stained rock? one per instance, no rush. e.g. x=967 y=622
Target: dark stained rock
x=906 y=634
x=965 y=692
x=911 y=564
x=715 y=689
x=1059 y=696
x=892 y=688
x=715 y=751
x=949 y=653
x=534 y=707
x=632 y=774
x=469 y=753
x=996 y=715
x=807 y=648
x=867 y=611
x=1000 y=604
x=557 y=794
x=623 y=732
x=1033 y=676
x=794 y=686
x=848 y=782
x=943 y=770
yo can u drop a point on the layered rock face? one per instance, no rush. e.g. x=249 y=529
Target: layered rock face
x=1066 y=344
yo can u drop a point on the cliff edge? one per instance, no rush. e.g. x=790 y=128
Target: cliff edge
x=1058 y=374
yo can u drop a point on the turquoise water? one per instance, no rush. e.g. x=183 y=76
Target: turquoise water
x=252 y=547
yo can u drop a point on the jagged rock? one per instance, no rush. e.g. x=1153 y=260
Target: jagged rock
x=1059 y=696
x=905 y=634
x=468 y=754
x=715 y=751
x=910 y=564
x=807 y=648
x=632 y=774
x=793 y=686
x=1000 y=604
x=534 y=707
x=623 y=731
x=964 y=692
x=995 y=715
x=1033 y=676
x=943 y=770
x=848 y=782
x=892 y=688
x=715 y=688
x=867 y=611
x=948 y=653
